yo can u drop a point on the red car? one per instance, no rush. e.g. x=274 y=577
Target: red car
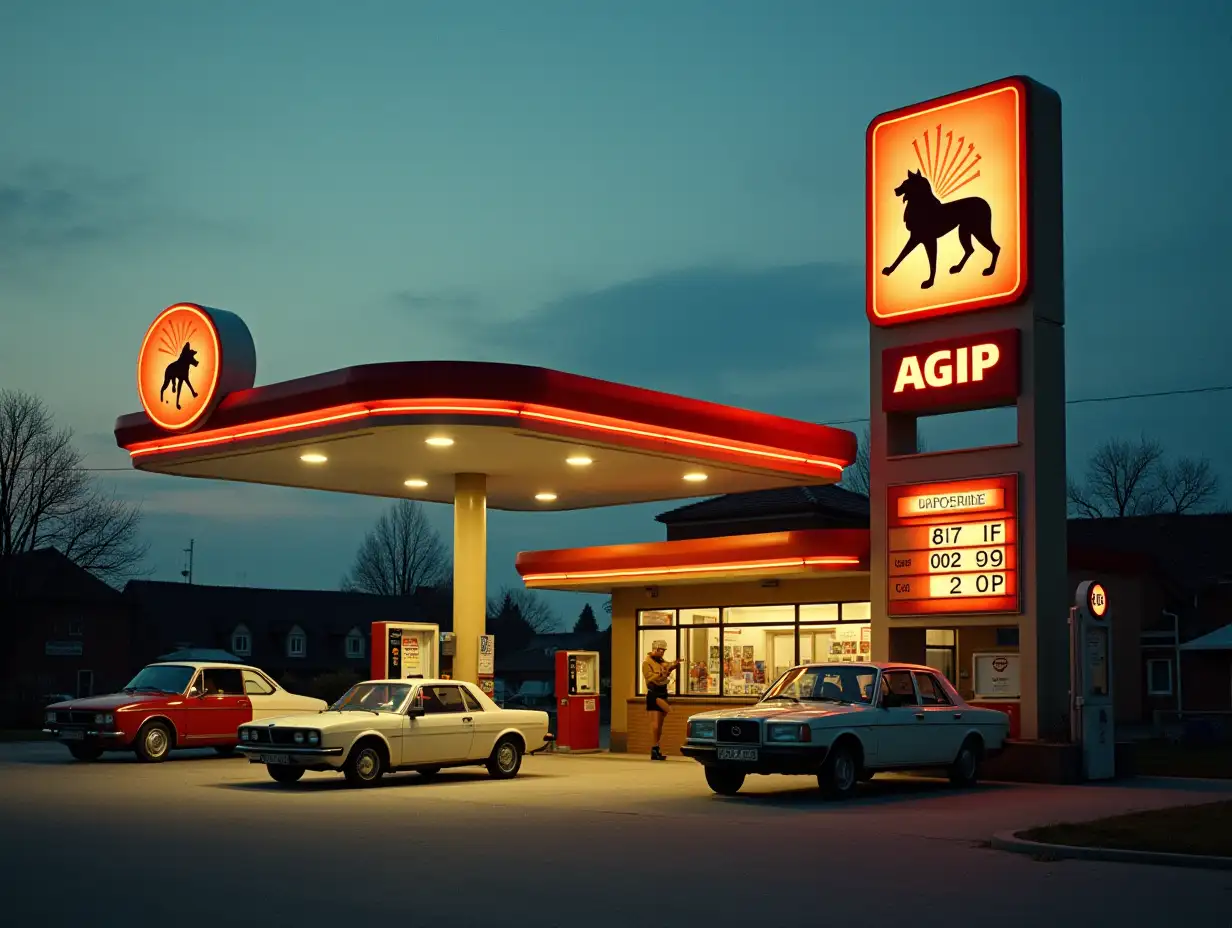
x=188 y=704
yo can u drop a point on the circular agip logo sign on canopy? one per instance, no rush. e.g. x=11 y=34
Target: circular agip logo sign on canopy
x=191 y=357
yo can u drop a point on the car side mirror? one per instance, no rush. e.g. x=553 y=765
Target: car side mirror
x=196 y=692
x=415 y=712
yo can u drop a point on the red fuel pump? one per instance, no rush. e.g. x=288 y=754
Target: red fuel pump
x=577 y=701
x=402 y=650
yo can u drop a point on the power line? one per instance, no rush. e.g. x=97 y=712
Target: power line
x=1116 y=398
x=1094 y=399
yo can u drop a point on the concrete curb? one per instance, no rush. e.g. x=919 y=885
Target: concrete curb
x=1009 y=841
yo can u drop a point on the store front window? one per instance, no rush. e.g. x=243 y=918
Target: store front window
x=741 y=650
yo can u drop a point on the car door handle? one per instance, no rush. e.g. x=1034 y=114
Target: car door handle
x=958 y=715
x=467 y=718
x=919 y=715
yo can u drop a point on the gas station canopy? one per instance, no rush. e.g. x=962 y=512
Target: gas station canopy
x=544 y=439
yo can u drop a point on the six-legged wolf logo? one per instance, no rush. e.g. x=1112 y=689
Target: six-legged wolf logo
x=176 y=374
x=926 y=215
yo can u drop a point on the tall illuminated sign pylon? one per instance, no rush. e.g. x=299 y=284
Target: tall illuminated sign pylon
x=964 y=249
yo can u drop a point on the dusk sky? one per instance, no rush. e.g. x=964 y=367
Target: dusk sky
x=664 y=193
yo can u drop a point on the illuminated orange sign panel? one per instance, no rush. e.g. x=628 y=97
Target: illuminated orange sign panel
x=947 y=205
x=179 y=366
x=953 y=547
x=1097 y=599
x=191 y=357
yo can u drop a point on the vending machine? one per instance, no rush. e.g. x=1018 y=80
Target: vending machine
x=577 y=701
x=405 y=650
x=1092 y=723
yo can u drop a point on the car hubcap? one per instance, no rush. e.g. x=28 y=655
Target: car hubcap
x=844 y=772
x=507 y=757
x=155 y=742
x=367 y=765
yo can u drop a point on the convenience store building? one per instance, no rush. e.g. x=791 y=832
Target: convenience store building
x=748 y=583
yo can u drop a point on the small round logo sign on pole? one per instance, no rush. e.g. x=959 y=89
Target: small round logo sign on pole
x=1097 y=600
x=191 y=357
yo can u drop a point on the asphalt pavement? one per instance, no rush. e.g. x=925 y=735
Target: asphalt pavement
x=575 y=841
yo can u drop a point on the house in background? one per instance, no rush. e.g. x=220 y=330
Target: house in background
x=295 y=635
x=63 y=633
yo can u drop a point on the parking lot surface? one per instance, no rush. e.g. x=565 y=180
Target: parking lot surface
x=573 y=841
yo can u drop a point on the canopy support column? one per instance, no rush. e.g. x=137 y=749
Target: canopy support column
x=470 y=566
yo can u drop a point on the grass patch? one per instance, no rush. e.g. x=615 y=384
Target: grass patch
x=1167 y=759
x=1203 y=829
x=7 y=735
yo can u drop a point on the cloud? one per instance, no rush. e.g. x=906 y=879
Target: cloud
x=789 y=340
x=47 y=209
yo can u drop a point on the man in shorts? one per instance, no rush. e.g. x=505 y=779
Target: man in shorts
x=657 y=672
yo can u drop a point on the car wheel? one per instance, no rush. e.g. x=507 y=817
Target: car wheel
x=724 y=782
x=85 y=752
x=428 y=773
x=841 y=773
x=153 y=743
x=506 y=759
x=965 y=771
x=364 y=765
x=225 y=750
x=284 y=773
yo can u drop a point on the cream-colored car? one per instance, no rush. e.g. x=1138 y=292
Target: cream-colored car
x=383 y=726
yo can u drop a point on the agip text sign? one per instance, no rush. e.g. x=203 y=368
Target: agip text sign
x=952 y=375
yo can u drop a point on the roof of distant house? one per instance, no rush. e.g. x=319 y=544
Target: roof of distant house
x=48 y=574
x=206 y=615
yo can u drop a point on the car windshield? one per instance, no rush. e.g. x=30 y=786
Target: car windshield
x=373 y=697
x=841 y=683
x=161 y=678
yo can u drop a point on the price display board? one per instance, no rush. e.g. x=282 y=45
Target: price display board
x=953 y=547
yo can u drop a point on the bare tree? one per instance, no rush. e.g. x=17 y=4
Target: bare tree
x=1189 y=485
x=1133 y=478
x=533 y=609
x=856 y=476
x=47 y=500
x=399 y=555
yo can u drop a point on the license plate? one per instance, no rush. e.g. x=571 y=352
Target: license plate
x=73 y=735
x=738 y=754
x=276 y=759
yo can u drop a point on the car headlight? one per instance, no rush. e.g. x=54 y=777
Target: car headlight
x=793 y=731
x=103 y=718
x=703 y=728
x=299 y=737
x=243 y=734
x=314 y=737
x=49 y=716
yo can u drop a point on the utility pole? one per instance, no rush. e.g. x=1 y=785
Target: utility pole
x=187 y=573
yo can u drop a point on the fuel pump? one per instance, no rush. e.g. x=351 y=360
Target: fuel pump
x=577 y=701
x=1092 y=722
x=405 y=650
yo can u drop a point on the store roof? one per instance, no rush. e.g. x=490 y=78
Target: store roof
x=366 y=430
x=829 y=499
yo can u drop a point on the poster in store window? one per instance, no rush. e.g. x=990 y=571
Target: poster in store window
x=410 y=652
